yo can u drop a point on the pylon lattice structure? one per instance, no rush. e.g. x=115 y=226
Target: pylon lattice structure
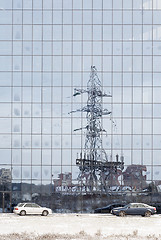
x=95 y=168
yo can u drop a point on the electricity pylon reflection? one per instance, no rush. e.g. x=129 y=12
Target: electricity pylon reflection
x=95 y=168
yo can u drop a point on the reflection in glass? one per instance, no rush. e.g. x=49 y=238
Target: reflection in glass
x=46 y=157
x=117 y=63
x=16 y=125
x=117 y=17
x=5 y=48
x=37 y=4
x=46 y=141
x=127 y=48
x=137 y=141
x=126 y=126
x=26 y=157
x=147 y=110
x=27 y=17
x=87 y=32
x=26 y=172
x=6 y=32
x=26 y=141
x=16 y=172
x=46 y=172
x=5 y=156
x=36 y=141
x=117 y=48
x=37 y=32
x=37 y=80
x=137 y=126
x=17 y=32
x=36 y=91
x=56 y=157
x=16 y=156
x=147 y=142
x=36 y=173
x=27 y=33
x=46 y=125
x=36 y=110
x=157 y=110
x=26 y=125
x=126 y=141
x=16 y=141
x=36 y=157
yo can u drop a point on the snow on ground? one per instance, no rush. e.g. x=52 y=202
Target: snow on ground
x=79 y=226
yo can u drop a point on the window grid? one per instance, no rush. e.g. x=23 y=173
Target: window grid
x=47 y=53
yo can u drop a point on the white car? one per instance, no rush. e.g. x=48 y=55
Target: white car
x=31 y=208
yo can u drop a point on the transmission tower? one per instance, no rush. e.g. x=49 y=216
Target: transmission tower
x=93 y=162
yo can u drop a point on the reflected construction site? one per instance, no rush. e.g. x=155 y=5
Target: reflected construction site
x=102 y=179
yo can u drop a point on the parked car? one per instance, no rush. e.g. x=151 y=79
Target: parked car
x=158 y=207
x=134 y=209
x=108 y=208
x=31 y=208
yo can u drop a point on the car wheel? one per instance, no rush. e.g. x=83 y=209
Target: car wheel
x=22 y=213
x=122 y=214
x=45 y=213
x=147 y=214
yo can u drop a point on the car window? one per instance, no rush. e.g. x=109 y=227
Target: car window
x=116 y=205
x=108 y=206
x=28 y=205
x=35 y=205
x=133 y=205
x=128 y=206
x=141 y=205
x=146 y=205
x=119 y=205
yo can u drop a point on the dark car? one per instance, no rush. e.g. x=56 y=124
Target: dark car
x=108 y=208
x=134 y=209
x=158 y=207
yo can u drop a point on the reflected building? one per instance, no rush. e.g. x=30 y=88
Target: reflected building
x=5 y=176
x=63 y=182
x=135 y=177
x=46 y=50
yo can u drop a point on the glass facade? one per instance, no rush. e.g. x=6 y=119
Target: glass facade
x=47 y=48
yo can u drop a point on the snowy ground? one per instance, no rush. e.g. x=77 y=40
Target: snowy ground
x=79 y=226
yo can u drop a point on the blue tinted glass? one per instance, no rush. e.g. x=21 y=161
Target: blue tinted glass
x=5 y=17
x=17 y=4
x=6 y=32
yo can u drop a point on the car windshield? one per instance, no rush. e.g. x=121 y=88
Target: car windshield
x=127 y=206
x=108 y=206
x=20 y=204
x=113 y=204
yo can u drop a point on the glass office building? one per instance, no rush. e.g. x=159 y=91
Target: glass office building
x=47 y=48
